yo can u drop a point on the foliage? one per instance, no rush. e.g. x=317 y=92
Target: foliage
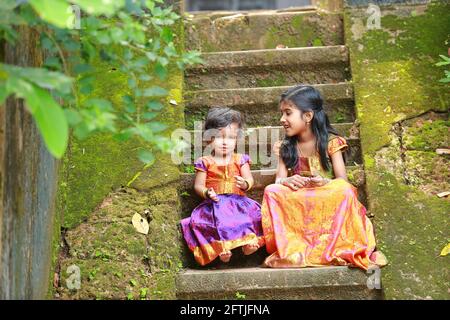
x=136 y=36
x=444 y=62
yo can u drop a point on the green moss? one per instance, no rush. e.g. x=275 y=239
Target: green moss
x=317 y=42
x=275 y=81
x=276 y=35
x=115 y=260
x=430 y=136
x=411 y=230
x=395 y=76
x=395 y=79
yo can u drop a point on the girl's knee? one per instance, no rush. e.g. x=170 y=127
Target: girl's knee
x=272 y=188
x=344 y=185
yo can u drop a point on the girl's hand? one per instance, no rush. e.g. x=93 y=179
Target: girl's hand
x=296 y=182
x=212 y=195
x=318 y=181
x=241 y=183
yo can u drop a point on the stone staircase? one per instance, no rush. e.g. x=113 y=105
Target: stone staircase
x=249 y=77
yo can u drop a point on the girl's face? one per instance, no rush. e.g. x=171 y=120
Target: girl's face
x=225 y=140
x=293 y=120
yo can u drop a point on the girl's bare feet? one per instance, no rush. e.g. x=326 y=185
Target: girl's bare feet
x=250 y=248
x=225 y=256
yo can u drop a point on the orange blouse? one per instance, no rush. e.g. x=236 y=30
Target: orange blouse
x=221 y=177
x=309 y=166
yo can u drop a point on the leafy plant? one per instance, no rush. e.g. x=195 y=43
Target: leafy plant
x=240 y=296
x=143 y=293
x=444 y=62
x=136 y=37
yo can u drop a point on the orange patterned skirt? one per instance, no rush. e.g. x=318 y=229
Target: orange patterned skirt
x=317 y=226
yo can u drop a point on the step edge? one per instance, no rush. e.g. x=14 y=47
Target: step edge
x=348 y=84
x=281 y=51
x=324 y=277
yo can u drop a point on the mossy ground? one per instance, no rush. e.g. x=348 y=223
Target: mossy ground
x=116 y=261
x=395 y=79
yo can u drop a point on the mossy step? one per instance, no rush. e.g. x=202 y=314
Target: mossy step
x=269 y=67
x=214 y=14
x=262 y=177
x=232 y=31
x=333 y=282
x=260 y=105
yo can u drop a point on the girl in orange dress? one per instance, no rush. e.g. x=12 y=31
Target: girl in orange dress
x=308 y=218
x=227 y=218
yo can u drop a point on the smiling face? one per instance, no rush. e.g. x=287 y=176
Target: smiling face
x=225 y=140
x=292 y=119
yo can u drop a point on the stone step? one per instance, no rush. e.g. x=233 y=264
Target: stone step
x=259 y=141
x=262 y=177
x=269 y=67
x=231 y=31
x=333 y=282
x=214 y=14
x=347 y=130
x=260 y=105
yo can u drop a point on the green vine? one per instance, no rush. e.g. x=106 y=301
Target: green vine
x=136 y=36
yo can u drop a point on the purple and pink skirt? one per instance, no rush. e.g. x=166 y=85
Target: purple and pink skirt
x=216 y=227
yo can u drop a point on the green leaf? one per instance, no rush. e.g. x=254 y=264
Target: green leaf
x=49 y=115
x=166 y=34
x=98 y=7
x=143 y=293
x=160 y=71
x=101 y=104
x=124 y=134
x=8 y=16
x=53 y=62
x=41 y=77
x=146 y=156
x=151 y=55
x=156 y=126
x=149 y=115
x=73 y=117
x=57 y=12
x=154 y=105
x=155 y=91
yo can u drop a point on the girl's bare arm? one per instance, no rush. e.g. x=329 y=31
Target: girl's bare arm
x=200 y=182
x=282 y=171
x=246 y=173
x=337 y=161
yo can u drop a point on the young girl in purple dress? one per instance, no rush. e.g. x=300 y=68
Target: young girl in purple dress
x=226 y=219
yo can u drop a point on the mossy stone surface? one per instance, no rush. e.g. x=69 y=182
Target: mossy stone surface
x=395 y=84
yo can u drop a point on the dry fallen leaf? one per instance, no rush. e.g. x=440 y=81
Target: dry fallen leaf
x=140 y=223
x=446 y=250
x=443 y=194
x=443 y=151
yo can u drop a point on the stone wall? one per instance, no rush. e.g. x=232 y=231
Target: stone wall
x=403 y=113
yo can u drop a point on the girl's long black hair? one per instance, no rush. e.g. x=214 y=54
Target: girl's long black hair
x=307 y=98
